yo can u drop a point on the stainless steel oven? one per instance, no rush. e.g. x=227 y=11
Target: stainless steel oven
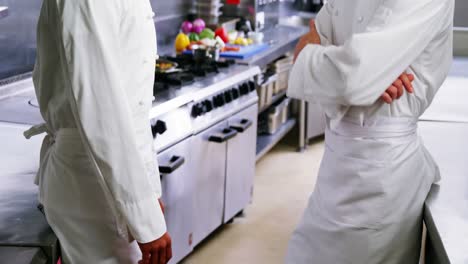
x=209 y=154
x=173 y=138
x=177 y=182
x=240 y=165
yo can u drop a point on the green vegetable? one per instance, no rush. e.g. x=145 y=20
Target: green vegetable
x=207 y=33
x=194 y=37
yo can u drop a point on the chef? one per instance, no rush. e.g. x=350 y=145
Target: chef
x=98 y=177
x=375 y=174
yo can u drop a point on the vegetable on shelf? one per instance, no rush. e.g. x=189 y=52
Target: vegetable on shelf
x=194 y=37
x=187 y=27
x=198 y=26
x=230 y=48
x=182 y=42
x=207 y=33
x=222 y=33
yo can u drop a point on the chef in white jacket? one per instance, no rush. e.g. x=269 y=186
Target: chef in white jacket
x=375 y=174
x=98 y=178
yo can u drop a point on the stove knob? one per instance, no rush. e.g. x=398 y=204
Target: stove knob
x=244 y=89
x=207 y=105
x=218 y=100
x=158 y=128
x=235 y=93
x=197 y=110
x=228 y=96
x=252 y=86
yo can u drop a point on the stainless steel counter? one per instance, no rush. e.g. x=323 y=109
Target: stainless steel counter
x=283 y=39
x=446 y=212
x=22 y=255
x=445 y=134
x=22 y=224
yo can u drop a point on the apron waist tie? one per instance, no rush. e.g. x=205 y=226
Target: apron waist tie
x=386 y=128
x=47 y=144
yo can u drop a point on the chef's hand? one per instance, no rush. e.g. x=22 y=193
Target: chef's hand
x=395 y=91
x=312 y=37
x=158 y=251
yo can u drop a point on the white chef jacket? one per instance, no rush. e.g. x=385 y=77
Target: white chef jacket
x=375 y=173
x=95 y=72
x=366 y=45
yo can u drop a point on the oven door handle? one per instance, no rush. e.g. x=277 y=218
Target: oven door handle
x=242 y=125
x=223 y=136
x=174 y=163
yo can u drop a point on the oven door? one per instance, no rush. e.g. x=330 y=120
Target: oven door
x=177 y=182
x=240 y=169
x=209 y=154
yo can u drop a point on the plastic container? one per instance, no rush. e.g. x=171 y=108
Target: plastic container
x=283 y=68
x=268 y=86
x=274 y=120
x=285 y=110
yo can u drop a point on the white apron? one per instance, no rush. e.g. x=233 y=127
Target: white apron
x=77 y=205
x=368 y=201
x=98 y=177
x=375 y=174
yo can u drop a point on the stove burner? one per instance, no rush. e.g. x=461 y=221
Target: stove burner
x=190 y=70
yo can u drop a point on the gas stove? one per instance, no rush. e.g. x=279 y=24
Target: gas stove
x=187 y=72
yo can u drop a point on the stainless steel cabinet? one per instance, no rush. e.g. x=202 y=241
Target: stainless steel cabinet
x=240 y=167
x=177 y=182
x=209 y=154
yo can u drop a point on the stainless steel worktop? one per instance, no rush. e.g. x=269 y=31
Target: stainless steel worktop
x=282 y=39
x=445 y=134
x=22 y=224
x=446 y=211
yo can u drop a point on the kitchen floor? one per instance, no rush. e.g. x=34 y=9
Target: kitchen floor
x=283 y=183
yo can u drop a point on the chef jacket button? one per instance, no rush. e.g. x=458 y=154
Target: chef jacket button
x=141 y=103
x=360 y=19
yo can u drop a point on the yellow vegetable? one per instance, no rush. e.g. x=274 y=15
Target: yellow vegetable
x=241 y=41
x=244 y=42
x=250 y=41
x=182 y=42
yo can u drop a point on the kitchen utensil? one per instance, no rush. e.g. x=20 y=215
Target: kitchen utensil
x=214 y=53
x=200 y=55
x=257 y=37
x=165 y=66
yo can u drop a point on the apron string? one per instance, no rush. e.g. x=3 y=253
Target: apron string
x=36 y=130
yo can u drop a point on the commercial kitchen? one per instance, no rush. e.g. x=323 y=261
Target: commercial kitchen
x=237 y=158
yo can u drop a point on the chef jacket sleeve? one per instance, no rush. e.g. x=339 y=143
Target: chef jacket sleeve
x=89 y=41
x=358 y=72
x=323 y=23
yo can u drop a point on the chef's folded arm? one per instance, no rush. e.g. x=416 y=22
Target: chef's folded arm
x=103 y=113
x=324 y=25
x=358 y=72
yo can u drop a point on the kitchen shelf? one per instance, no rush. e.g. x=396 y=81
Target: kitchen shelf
x=266 y=142
x=275 y=98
